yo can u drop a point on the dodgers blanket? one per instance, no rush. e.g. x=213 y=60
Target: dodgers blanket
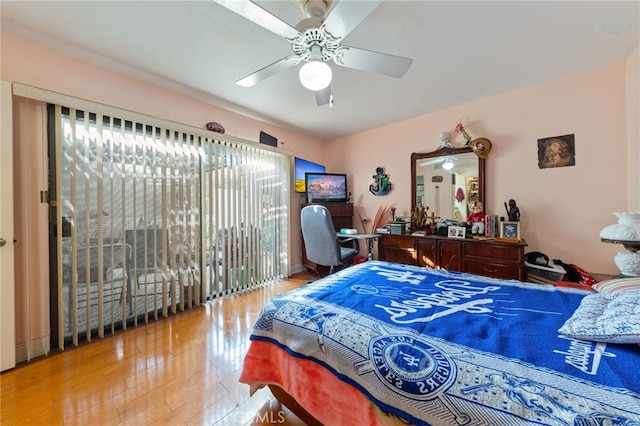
x=436 y=347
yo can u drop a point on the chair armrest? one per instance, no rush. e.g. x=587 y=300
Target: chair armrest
x=353 y=241
x=345 y=239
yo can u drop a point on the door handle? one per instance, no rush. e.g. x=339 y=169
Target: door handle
x=2 y=242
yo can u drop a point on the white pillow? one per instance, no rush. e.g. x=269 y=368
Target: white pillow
x=606 y=317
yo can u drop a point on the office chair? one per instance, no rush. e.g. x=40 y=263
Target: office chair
x=322 y=244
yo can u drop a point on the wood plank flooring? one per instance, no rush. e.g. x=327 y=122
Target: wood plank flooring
x=182 y=370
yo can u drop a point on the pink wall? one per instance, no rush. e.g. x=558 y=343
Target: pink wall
x=563 y=209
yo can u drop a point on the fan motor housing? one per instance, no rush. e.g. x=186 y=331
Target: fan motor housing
x=315 y=8
x=303 y=46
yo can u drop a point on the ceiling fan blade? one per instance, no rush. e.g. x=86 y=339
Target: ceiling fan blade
x=269 y=70
x=323 y=96
x=367 y=60
x=346 y=15
x=260 y=16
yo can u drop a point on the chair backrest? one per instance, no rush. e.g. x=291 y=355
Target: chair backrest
x=113 y=255
x=319 y=234
x=151 y=257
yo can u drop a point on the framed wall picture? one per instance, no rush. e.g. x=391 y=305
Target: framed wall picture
x=457 y=232
x=510 y=230
x=557 y=151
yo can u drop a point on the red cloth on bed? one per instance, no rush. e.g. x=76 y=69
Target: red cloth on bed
x=266 y=363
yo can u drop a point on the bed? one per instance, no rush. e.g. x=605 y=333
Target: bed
x=384 y=343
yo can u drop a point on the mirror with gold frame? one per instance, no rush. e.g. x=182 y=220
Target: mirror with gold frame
x=447 y=181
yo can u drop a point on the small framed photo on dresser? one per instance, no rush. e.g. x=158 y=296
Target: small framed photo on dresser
x=510 y=230
x=457 y=232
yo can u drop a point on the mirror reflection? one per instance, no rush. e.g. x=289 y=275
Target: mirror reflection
x=448 y=181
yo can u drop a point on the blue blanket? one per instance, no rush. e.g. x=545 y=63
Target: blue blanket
x=436 y=347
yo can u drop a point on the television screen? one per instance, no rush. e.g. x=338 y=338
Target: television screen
x=326 y=187
x=301 y=168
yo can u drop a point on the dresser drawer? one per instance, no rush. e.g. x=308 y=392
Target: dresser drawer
x=407 y=257
x=494 y=251
x=494 y=269
x=397 y=242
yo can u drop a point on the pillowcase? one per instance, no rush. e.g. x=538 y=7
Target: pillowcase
x=606 y=317
x=617 y=284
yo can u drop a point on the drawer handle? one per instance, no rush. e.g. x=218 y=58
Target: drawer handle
x=490 y=270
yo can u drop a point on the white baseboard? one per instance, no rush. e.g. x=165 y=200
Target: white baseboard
x=297 y=268
x=40 y=346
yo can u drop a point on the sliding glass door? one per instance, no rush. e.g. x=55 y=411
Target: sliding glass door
x=151 y=219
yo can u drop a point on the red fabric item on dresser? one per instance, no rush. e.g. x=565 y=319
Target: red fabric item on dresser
x=586 y=277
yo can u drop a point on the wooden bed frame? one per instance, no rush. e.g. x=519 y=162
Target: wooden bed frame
x=290 y=402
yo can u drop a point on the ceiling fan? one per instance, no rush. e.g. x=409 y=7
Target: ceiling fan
x=316 y=40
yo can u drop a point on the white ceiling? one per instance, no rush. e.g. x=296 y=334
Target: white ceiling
x=461 y=51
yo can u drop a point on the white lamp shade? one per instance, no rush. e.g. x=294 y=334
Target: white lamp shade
x=627 y=233
x=448 y=165
x=627 y=228
x=315 y=75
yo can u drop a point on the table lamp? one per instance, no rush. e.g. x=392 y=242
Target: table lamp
x=627 y=233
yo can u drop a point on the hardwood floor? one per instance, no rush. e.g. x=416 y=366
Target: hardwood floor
x=182 y=370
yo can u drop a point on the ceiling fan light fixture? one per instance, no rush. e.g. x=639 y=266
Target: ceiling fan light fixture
x=315 y=75
x=448 y=165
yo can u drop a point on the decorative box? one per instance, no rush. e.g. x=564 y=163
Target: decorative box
x=398 y=228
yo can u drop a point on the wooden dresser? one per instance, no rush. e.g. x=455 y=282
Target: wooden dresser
x=342 y=217
x=482 y=257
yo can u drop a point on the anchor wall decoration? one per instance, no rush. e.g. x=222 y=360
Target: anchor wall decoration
x=381 y=183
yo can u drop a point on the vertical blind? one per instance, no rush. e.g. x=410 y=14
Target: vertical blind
x=156 y=219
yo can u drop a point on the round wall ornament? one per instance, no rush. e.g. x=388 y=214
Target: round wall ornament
x=481 y=147
x=215 y=127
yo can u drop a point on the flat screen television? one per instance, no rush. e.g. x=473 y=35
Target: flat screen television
x=326 y=187
x=301 y=168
